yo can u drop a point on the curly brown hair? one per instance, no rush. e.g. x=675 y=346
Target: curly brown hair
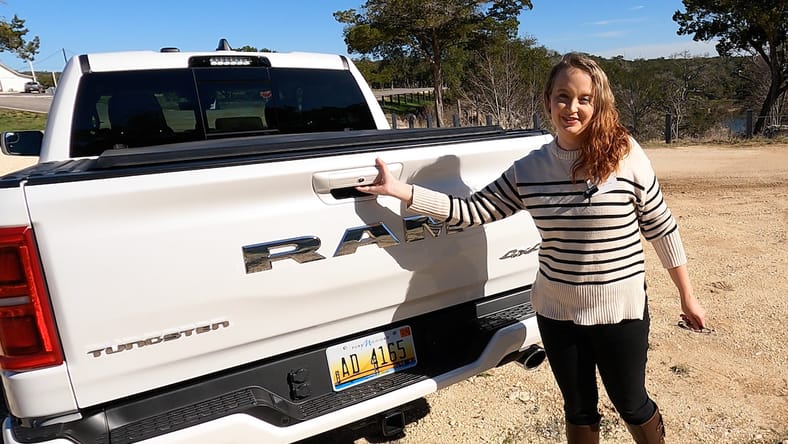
x=606 y=141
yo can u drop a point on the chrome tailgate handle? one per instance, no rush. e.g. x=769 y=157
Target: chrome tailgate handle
x=325 y=181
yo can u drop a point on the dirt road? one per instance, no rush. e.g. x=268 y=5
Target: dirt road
x=730 y=386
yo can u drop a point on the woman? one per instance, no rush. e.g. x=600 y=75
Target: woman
x=591 y=192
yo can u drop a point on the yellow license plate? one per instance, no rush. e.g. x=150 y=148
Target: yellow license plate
x=370 y=357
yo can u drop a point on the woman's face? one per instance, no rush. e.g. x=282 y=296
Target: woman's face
x=571 y=106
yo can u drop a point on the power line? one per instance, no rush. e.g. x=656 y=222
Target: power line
x=48 y=57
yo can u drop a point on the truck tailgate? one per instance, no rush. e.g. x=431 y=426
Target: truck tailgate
x=162 y=277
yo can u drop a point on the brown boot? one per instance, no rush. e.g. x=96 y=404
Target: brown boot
x=582 y=434
x=651 y=431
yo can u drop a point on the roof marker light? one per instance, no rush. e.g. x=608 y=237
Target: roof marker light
x=230 y=61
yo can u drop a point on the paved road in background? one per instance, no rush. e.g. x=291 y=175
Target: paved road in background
x=37 y=103
x=394 y=91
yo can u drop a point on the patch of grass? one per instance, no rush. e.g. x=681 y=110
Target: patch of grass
x=11 y=120
x=404 y=108
x=738 y=142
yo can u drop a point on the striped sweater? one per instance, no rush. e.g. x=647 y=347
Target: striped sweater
x=591 y=260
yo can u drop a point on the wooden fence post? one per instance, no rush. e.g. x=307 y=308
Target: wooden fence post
x=668 y=129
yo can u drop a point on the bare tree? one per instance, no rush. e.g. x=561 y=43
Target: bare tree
x=428 y=29
x=681 y=88
x=637 y=94
x=495 y=87
x=506 y=82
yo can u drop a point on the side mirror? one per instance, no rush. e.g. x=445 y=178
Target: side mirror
x=21 y=143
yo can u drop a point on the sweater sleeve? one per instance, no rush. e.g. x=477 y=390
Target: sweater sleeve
x=656 y=221
x=670 y=250
x=496 y=201
x=430 y=203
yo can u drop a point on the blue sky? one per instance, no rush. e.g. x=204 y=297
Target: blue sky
x=634 y=29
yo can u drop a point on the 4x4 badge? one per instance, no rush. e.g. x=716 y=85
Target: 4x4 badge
x=511 y=254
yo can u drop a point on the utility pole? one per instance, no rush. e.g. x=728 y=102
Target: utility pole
x=30 y=62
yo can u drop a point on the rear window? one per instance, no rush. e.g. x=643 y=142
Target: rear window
x=144 y=108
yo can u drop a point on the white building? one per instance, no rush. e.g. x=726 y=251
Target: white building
x=12 y=81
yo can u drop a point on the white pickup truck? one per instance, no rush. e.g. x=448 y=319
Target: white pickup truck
x=189 y=260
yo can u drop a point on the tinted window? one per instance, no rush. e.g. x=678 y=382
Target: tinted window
x=310 y=100
x=132 y=109
x=144 y=108
x=233 y=100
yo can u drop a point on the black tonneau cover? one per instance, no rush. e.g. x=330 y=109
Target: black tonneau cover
x=282 y=144
x=256 y=149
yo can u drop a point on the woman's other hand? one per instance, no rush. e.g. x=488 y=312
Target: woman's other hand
x=694 y=313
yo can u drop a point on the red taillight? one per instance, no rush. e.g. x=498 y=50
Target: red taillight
x=28 y=338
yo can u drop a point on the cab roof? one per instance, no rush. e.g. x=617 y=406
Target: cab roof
x=147 y=60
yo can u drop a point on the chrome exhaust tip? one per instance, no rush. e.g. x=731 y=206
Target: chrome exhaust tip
x=532 y=357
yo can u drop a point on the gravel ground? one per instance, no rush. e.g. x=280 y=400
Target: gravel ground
x=729 y=386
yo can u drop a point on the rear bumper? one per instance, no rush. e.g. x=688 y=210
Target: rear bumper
x=244 y=406
x=9 y=438
x=245 y=428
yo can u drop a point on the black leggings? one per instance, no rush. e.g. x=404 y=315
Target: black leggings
x=618 y=350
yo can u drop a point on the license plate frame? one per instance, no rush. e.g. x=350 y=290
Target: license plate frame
x=370 y=357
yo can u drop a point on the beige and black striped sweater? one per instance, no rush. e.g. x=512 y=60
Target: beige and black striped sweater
x=591 y=261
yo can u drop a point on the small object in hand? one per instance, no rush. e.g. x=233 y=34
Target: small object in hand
x=686 y=324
